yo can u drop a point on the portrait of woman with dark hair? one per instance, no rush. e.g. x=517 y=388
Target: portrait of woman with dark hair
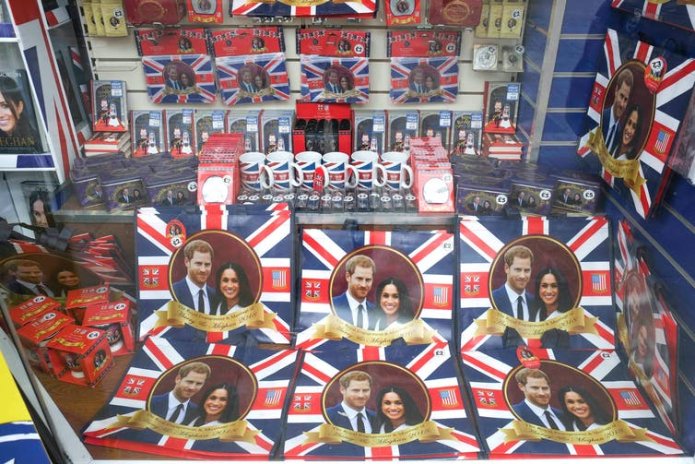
x=17 y=132
x=581 y=411
x=66 y=279
x=393 y=304
x=643 y=343
x=627 y=148
x=39 y=208
x=233 y=289
x=552 y=299
x=220 y=405
x=396 y=410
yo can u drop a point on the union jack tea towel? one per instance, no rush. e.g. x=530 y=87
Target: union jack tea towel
x=253 y=78
x=350 y=8
x=234 y=409
x=639 y=99
x=335 y=80
x=372 y=288
x=180 y=78
x=561 y=403
x=239 y=257
x=430 y=421
x=535 y=280
x=424 y=80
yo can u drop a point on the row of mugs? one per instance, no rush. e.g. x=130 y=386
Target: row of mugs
x=281 y=170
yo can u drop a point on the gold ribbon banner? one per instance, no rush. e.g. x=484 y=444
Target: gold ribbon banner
x=575 y=321
x=232 y=431
x=616 y=430
x=628 y=170
x=333 y=328
x=622 y=331
x=178 y=315
x=425 y=432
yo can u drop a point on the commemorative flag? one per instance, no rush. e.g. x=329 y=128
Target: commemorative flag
x=180 y=78
x=561 y=269
x=350 y=83
x=615 y=418
x=253 y=78
x=422 y=377
x=250 y=426
x=351 y=8
x=678 y=13
x=424 y=80
x=403 y=281
x=245 y=271
x=639 y=99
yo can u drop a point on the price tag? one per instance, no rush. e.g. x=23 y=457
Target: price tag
x=445 y=119
x=252 y=124
x=187 y=116
x=155 y=119
x=513 y=91
x=477 y=121
x=378 y=124
x=411 y=121
x=284 y=125
x=116 y=89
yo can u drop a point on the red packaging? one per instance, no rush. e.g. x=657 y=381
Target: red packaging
x=77 y=300
x=403 y=12
x=205 y=11
x=36 y=335
x=434 y=189
x=461 y=13
x=115 y=320
x=80 y=355
x=241 y=41
x=154 y=11
x=32 y=309
x=326 y=111
x=184 y=41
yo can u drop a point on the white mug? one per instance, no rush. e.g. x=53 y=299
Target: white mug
x=396 y=165
x=308 y=162
x=255 y=175
x=336 y=169
x=368 y=168
x=281 y=164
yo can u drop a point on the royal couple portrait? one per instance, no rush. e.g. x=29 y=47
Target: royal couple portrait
x=231 y=291
x=622 y=122
x=549 y=298
x=395 y=407
x=579 y=410
x=219 y=405
x=392 y=302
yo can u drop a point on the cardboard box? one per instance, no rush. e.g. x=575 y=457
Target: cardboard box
x=80 y=355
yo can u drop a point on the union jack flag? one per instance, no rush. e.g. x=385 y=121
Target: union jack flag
x=263 y=234
x=355 y=8
x=679 y=14
x=198 y=69
x=611 y=387
x=441 y=71
x=669 y=101
x=582 y=244
x=401 y=255
x=271 y=84
x=425 y=371
x=257 y=375
x=316 y=88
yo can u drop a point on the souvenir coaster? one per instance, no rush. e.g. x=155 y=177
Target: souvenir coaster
x=541 y=281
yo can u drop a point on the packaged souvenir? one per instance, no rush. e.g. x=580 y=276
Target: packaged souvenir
x=460 y=13
x=404 y=12
x=501 y=102
x=80 y=355
x=205 y=11
x=181 y=136
x=370 y=130
x=253 y=78
x=155 y=11
x=246 y=122
x=179 y=78
x=22 y=135
x=403 y=125
x=340 y=8
x=147 y=133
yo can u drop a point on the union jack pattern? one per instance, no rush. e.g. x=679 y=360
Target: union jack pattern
x=266 y=230
x=203 y=90
x=676 y=13
x=443 y=70
x=671 y=100
x=363 y=8
x=272 y=69
x=269 y=371
x=428 y=372
x=583 y=242
x=495 y=392
x=426 y=254
x=315 y=88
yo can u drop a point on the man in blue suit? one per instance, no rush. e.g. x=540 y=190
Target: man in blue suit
x=352 y=306
x=332 y=84
x=535 y=408
x=352 y=413
x=611 y=119
x=193 y=290
x=176 y=406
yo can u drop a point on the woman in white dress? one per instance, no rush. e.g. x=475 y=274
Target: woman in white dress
x=233 y=292
x=581 y=412
x=220 y=405
x=396 y=410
